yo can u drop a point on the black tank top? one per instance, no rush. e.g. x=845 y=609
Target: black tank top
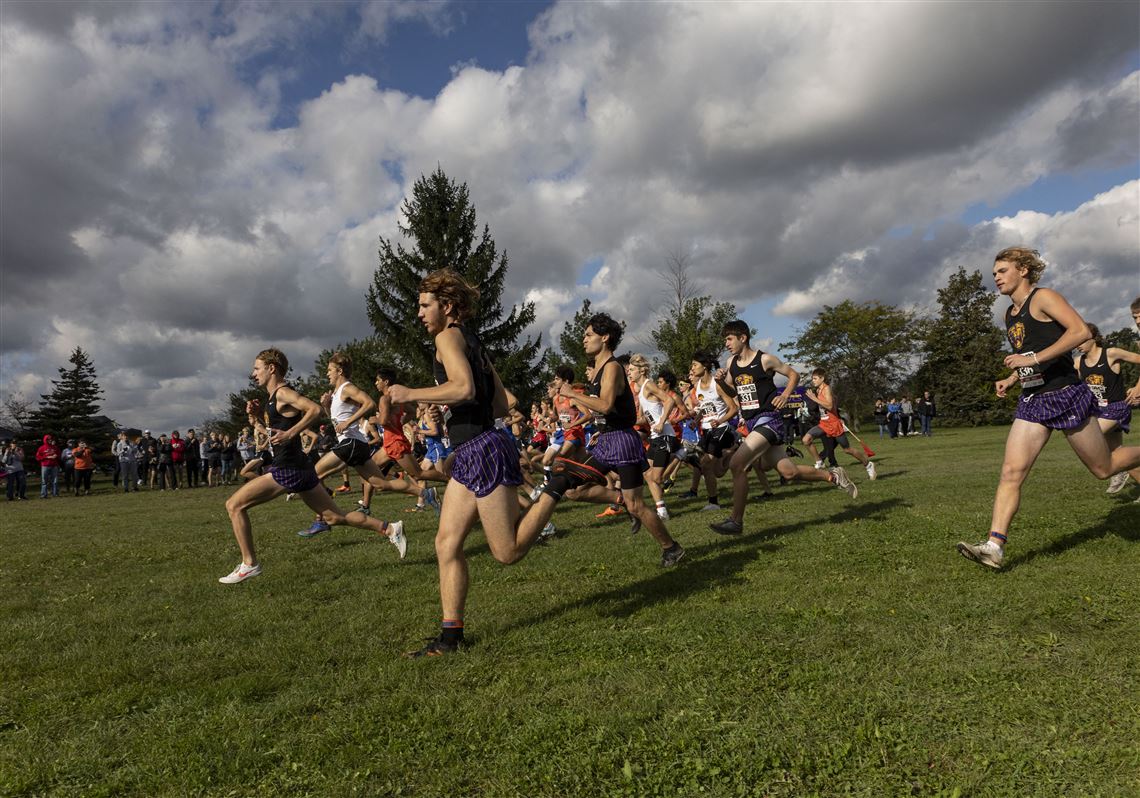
x=623 y=415
x=1026 y=334
x=1107 y=386
x=755 y=387
x=288 y=454
x=477 y=415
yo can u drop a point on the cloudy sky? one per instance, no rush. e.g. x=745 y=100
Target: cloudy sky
x=183 y=184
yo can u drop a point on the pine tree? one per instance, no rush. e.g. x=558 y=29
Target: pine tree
x=696 y=328
x=70 y=410
x=443 y=232
x=572 y=350
x=962 y=354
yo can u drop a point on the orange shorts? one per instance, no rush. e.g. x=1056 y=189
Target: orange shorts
x=395 y=446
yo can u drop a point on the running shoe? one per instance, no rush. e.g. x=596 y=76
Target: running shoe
x=1117 y=482
x=872 y=474
x=663 y=513
x=666 y=485
x=415 y=508
x=361 y=507
x=711 y=507
x=672 y=555
x=436 y=647
x=726 y=527
x=634 y=524
x=240 y=574
x=759 y=497
x=430 y=498
x=396 y=537
x=317 y=528
x=610 y=511
x=290 y=496
x=547 y=531
x=344 y=489
x=818 y=464
x=689 y=494
x=986 y=553
x=843 y=482
x=792 y=451
x=534 y=494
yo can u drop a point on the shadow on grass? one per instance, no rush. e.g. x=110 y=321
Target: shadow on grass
x=1123 y=521
x=698 y=573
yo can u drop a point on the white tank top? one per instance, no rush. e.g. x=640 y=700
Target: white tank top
x=653 y=410
x=343 y=410
x=710 y=406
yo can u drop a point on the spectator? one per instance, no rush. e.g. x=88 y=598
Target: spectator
x=148 y=462
x=881 y=416
x=67 y=463
x=893 y=410
x=166 y=464
x=126 y=458
x=214 y=458
x=906 y=416
x=48 y=456
x=84 y=467
x=229 y=455
x=926 y=411
x=178 y=459
x=204 y=457
x=245 y=446
x=193 y=458
x=12 y=457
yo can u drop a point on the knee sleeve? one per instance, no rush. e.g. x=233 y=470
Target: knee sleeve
x=558 y=484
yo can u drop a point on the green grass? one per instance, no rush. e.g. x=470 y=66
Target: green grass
x=837 y=648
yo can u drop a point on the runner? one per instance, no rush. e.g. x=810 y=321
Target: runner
x=656 y=406
x=751 y=374
x=1043 y=329
x=716 y=408
x=618 y=449
x=1099 y=368
x=286 y=414
x=831 y=427
x=347 y=406
x=485 y=468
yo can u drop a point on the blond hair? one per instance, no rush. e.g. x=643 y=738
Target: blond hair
x=1024 y=258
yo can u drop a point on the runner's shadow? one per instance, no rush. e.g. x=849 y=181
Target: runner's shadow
x=1124 y=522
x=697 y=573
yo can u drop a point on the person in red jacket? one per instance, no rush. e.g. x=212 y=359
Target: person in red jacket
x=177 y=458
x=48 y=458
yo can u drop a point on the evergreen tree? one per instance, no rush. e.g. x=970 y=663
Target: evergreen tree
x=962 y=354
x=573 y=353
x=70 y=410
x=864 y=348
x=696 y=327
x=442 y=229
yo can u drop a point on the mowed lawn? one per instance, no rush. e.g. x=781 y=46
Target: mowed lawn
x=837 y=647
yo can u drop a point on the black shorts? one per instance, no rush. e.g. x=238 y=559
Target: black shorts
x=661 y=450
x=718 y=440
x=352 y=451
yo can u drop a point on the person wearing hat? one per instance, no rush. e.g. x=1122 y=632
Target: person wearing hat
x=67 y=464
x=12 y=458
x=84 y=460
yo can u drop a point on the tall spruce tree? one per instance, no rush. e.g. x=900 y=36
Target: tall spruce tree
x=70 y=410
x=962 y=354
x=442 y=229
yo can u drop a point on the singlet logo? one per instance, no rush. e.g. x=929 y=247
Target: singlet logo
x=1094 y=379
x=1016 y=335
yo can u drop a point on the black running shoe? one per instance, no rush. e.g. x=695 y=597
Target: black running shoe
x=436 y=647
x=792 y=451
x=672 y=555
x=634 y=524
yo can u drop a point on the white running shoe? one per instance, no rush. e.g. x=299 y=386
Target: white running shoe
x=396 y=537
x=290 y=496
x=534 y=494
x=547 y=531
x=872 y=474
x=818 y=464
x=843 y=482
x=986 y=553
x=240 y=574
x=1117 y=482
x=663 y=513
x=711 y=508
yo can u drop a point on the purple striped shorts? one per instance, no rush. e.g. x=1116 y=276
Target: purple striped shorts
x=1064 y=408
x=1120 y=412
x=619 y=447
x=774 y=423
x=485 y=462
x=295 y=480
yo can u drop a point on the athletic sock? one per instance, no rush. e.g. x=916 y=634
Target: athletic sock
x=547 y=473
x=661 y=505
x=452 y=631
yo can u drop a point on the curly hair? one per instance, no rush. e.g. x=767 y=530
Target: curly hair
x=1024 y=258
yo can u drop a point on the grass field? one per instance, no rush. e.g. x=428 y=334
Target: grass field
x=837 y=648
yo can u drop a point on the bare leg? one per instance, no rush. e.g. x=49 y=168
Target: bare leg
x=1024 y=443
x=251 y=494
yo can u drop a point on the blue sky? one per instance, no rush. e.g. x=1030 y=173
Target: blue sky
x=219 y=175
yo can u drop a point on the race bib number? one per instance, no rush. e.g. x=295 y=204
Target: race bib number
x=1098 y=392
x=748 y=396
x=707 y=410
x=1030 y=376
x=564 y=419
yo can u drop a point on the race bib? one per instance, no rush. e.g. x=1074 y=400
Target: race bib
x=707 y=410
x=748 y=396
x=1098 y=392
x=1030 y=376
x=564 y=419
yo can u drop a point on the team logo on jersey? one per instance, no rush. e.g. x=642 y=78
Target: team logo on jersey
x=1095 y=379
x=1016 y=335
